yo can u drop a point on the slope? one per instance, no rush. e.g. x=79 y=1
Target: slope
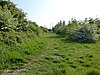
x=60 y=56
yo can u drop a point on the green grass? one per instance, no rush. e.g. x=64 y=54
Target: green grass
x=16 y=55
x=51 y=54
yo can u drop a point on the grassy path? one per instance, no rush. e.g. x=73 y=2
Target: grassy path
x=61 y=57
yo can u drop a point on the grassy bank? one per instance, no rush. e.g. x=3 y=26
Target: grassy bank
x=62 y=57
x=15 y=55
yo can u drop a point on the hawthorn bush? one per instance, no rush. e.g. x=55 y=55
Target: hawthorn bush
x=85 y=34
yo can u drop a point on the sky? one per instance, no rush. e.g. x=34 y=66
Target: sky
x=49 y=12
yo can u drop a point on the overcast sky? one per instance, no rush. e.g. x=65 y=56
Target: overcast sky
x=49 y=12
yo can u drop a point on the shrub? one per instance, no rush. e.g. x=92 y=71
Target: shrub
x=85 y=34
x=11 y=38
x=7 y=21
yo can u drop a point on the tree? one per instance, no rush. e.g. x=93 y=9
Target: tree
x=63 y=22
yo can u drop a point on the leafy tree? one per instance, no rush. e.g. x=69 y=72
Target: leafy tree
x=63 y=22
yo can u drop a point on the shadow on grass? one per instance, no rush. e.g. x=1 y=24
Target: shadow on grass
x=62 y=38
x=93 y=73
x=67 y=40
x=56 y=36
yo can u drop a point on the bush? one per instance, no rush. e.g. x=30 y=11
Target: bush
x=85 y=34
x=7 y=21
x=11 y=38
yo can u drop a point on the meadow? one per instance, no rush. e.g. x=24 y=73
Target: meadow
x=29 y=49
x=60 y=57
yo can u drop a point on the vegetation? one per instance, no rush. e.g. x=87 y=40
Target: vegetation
x=86 y=33
x=17 y=36
x=27 y=49
x=62 y=57
x=80 y=31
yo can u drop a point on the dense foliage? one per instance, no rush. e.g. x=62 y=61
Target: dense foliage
x=85 y=34
x=12 y=20
x=86 y=31
x=17 y=35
